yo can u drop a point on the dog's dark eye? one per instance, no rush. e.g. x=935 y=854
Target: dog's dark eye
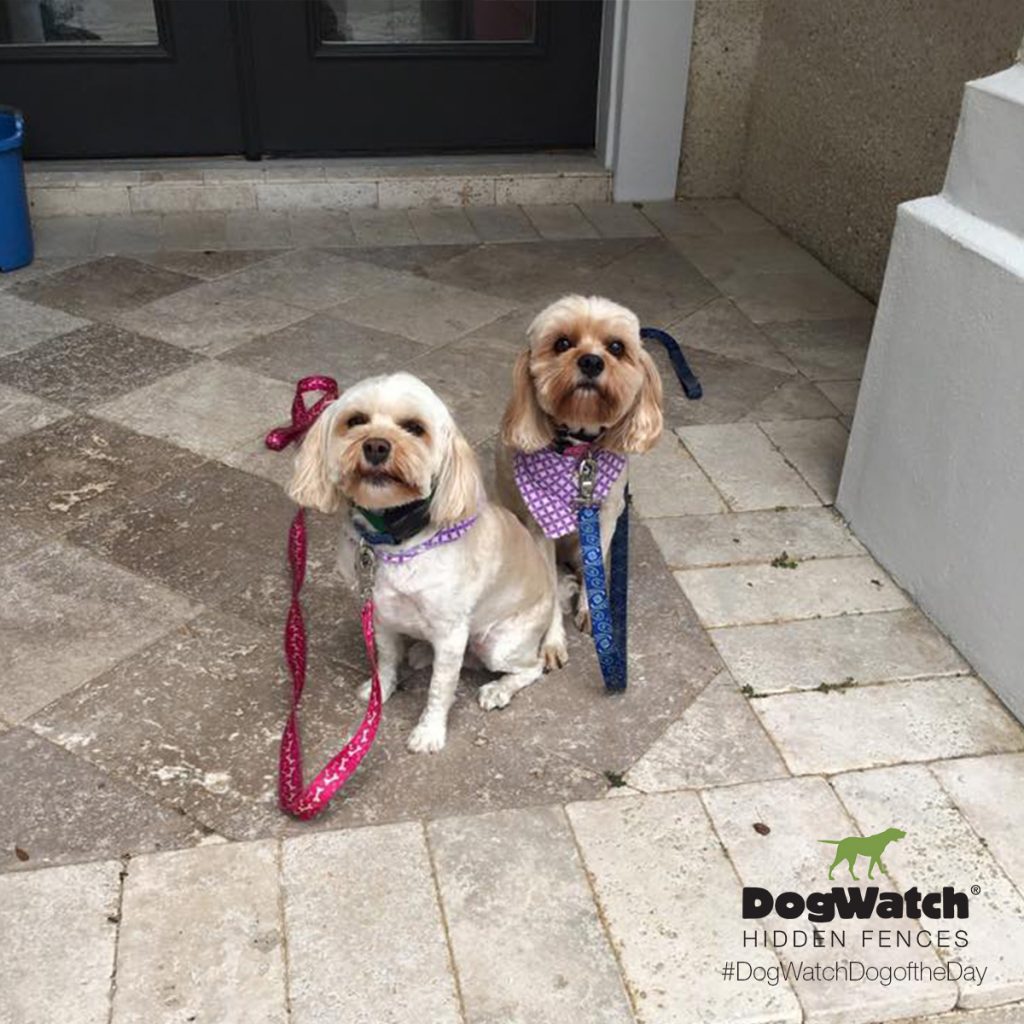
x=357 y=420
x=414 y=427
x=563 y=345
x=616 y=348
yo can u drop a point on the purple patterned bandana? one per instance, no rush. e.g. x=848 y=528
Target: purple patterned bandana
x=547 y=481
x=443 y=536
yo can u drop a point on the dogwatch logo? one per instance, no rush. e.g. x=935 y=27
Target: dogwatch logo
x=863 y=917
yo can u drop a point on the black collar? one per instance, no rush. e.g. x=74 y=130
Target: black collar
x=397 y=524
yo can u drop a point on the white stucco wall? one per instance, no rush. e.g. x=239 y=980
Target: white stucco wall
x=934 y=476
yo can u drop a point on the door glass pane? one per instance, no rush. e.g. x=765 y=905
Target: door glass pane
x=109 y=22
x=426 y=21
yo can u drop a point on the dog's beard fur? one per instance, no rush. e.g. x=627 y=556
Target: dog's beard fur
x=403 y=477
x=574 y=400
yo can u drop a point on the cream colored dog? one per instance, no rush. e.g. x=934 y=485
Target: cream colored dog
x=585 y=379
x=388 y=450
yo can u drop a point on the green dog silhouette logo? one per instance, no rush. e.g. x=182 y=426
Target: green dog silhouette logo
x=872 y=847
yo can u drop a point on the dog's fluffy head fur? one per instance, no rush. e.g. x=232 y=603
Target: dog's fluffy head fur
x=622 y=401
x=423 y=452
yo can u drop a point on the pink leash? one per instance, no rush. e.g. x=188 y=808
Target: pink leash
x=306 y=803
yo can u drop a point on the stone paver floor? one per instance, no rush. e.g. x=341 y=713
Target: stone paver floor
x=783 y=688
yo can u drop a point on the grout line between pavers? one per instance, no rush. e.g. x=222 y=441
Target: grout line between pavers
x=282 y=917
x=791 y=464
x=739 y=878
x=707 y=476
x=439 y=901
x=602 y=918
x=112 y=990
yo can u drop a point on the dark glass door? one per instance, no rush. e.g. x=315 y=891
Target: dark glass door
x=132 y=78
x=351 y=76
x=107 y=78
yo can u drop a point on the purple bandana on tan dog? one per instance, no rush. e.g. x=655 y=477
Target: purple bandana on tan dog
x=547 y=481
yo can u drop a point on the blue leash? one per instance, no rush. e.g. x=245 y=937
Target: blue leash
x=609 y=607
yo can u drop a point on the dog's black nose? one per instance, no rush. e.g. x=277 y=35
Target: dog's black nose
x=590 y=365
x=376 y=450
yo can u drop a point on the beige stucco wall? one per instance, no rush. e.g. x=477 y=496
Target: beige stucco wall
x=723 y=60
x=851 y=110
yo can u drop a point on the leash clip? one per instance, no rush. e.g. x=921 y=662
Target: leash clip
x=586 y=480
x=366 y=568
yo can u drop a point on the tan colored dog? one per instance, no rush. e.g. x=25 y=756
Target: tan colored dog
x=388 y=442
x=585 y=377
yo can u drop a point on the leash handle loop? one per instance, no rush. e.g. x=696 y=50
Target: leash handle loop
x=687 y=378
x=303 y=416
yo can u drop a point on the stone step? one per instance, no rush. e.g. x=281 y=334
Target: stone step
x=112 y=187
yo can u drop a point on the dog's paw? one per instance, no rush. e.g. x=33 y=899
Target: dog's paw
x=582 y=618
x=555 y=655
x=420 y=655
x=427 y=737
x=494 y=695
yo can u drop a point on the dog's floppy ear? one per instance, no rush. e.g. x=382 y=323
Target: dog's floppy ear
x=310 y=485
x=524 y=425
x=459 y=484
x=640 y=428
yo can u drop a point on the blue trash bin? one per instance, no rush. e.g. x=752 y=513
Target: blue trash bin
x=15 y=230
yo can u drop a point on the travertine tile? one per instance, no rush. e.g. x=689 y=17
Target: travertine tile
x=866 y=727
x=793 y=399
x=841 y=393
x=257 y=229
x=722 y=254
x=721 y=328
x=533 y=904
x=129 y=233
x=845 y=649
x=618 y=220
x=788 y=857
x=502 y=224
x=209 y=408
x=413 y=259
x=667 y=482
x=678 y=218
x=59 y=928
x=195 y=231
x=703 y=540
x=421 y=192
x=16 y=542
x=375 y=949
x=66 y=616
x=61 y=237
x=671 y=902
x=718 y=741
x=1012 y=1013
x=559 y=222
x=212 y=317
x=105 y=287
x=23 y=324
x=88 y=816
x=79 y=469
x=794 y=295
x=745 y=467
x=92 y=365
x=97 y=201
x=383 y=227
x=443 y=227
x=980 y=788
x=732 y=215
x=184 y=197
x=309 y=278
x=321 y=227
x=746 y=594
x=941 y=849
x=326 y=344
x=322 y=195
x=208 y=264
x=525 y=189
x=824 y=349
x=816 y=448
x=202 y=938
x=21 y=413
x=426 y=311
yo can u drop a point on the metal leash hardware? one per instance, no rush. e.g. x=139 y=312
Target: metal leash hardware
x=366 y=569
x=586 y=480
